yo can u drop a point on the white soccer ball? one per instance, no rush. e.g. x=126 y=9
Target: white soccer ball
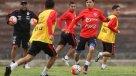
x=13 y=20
x=33 y=21
x=75 y=69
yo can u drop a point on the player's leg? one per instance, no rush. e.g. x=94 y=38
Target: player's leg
x=108 y=50
x=104 y=62
x=80 y=48
x=15 y=44
x=92 y=45
x=25 y=46
x=71 y=41
x=49 y=49
x=17 y=63
x=34 y=50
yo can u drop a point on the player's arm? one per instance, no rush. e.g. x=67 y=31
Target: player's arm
x=74 y=22
x=112 y=25
x=61 y=19
x=103 y=18
x=50 y=22
x=33 y=15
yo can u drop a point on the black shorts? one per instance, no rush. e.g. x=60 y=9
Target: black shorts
x=108 y=47
x=82 y=41
x=68 y=38
x=21 y=39
x=37 y=46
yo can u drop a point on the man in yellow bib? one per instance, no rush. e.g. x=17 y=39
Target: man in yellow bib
x=41 y=39
x=107 y=35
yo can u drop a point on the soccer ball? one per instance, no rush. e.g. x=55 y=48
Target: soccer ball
x=12 y=20
x=75 y=69
x=33 y=21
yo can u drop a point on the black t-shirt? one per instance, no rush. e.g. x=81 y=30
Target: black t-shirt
x=23 y=20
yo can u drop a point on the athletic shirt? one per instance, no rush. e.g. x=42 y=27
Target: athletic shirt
x=108 y=30
x=90 y=20
x=45 y=27
x=68 y=17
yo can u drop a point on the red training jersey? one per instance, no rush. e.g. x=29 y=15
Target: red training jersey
x=112 y=25
x=90 y=20
x=68 y=17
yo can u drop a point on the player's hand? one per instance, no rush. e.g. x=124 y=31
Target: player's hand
x=118 y=31
x=51 y=37
x=108 y=19
x=63 y=30
x=67 y=32
x=11 y=23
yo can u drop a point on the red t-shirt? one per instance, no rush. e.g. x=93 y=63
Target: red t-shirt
x=90 y=20
x=68 y=17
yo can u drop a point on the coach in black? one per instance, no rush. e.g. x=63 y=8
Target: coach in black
x=21 y=32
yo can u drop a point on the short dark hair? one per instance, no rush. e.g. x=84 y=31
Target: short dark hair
x=23 y=2
x=71 y=2
x=92 y=0
x=115 y=6
x=49 y=4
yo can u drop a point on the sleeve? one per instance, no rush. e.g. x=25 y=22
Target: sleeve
x=112 y=25
x=51 y=20
x=74 y=22
x=103 y=18
x=33 y=15
x=63 y=17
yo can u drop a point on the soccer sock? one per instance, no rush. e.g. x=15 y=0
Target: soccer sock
x=45 y=71
x=66 y=57
x=101 y=53
x=13 y=66
x=103 y=65
x=13 y=61
x=76 y=63
x=87 y=63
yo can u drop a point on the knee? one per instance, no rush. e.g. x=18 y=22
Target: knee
x=91 y=50
x=28 y=58
x=14 y=47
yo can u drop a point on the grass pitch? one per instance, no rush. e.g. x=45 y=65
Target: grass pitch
x=65 y=71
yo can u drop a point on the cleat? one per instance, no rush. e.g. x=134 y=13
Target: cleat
x=103 y=67
x=65 y=61
x=44 y=75
x=85 y=69
x=12 y=62
x=26 y=66
x=98 y=57
x=77 y=63
x=8 y=71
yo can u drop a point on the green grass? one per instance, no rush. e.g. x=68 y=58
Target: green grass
x=65 y=71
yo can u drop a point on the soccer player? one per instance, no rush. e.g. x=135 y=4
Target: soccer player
x=107 y=36
x=21 y=32
x=68 y=16
x=41 y=39
x=90 y=19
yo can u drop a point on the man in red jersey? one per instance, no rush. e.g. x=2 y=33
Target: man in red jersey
x=89 y=29
x=68 y=16
x=107 y=35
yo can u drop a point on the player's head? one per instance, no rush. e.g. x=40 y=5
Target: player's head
x=116 y=9
x=49 y=4
x=90 y=3
x=72 y=6
x=23 y=4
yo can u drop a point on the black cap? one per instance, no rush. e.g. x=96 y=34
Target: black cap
x=23 y=2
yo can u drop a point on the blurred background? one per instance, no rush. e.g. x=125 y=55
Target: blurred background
x=125 y=41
